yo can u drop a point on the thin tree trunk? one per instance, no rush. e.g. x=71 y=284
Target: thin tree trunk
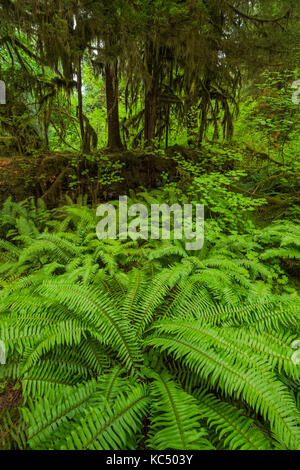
x=169 y=107
x=151 y=95
x=80 y=106
x=150 y=116
x=192 y=123
x=112 y=103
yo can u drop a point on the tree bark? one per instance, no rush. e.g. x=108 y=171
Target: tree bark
x=112 y=104
x=192 y=122
x=151 y=95
x=80 y=103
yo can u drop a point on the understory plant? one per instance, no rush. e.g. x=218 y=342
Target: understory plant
x=139 y=345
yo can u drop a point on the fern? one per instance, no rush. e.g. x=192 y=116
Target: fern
x=131 y=345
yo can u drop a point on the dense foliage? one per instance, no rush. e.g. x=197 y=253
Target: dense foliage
x=143 y=344
x=139 y=344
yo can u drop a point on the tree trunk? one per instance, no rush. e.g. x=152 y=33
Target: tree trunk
x=112 y=104
x=150 y=116
x=80 y=104
x=192 y=123
x=151 y=95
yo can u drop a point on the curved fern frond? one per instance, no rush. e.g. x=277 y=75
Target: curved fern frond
x=234 y=429
x=175 y=418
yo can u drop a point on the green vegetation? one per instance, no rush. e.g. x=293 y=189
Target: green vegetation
x=143 y=344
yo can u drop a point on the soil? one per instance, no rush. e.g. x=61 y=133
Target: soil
x=10 y=399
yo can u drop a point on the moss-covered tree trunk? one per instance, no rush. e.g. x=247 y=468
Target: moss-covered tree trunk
x=151 y=93
x=112 y=102
x=84 y=143
x=192 y=122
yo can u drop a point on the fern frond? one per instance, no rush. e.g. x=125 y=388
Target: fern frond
x=175 y=418
x=234 y=429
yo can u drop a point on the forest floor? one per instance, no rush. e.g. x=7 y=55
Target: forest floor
x=50 y=175
x=10 y=400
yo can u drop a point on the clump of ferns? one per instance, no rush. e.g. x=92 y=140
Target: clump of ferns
x=281 y=242
x=221 y=278
x=70 y=237
x=14 y=215
x=68 y=243
x=99 y=361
